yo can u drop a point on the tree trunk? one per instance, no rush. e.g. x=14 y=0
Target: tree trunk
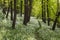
x=25 y=12
x=14 y=20
x=43 y=12
x=7 y=13
x=11 y=12
x=4 y=12
x=30 y=9
x=48 y=13
x=8 y=10
x=57 y=15
x=21 y=8
x=54 y=25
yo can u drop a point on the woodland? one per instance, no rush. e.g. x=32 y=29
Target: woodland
x=29 y=19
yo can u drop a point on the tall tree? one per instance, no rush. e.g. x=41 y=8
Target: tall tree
x=4 y=11
x=57 y=15
x=25 y=12
x=21 y=8
x=8 y=9
x=54 y=25
x=48 y=14
x=14 y=19
x=30 y=9
x=11 y=11
x=43 y=11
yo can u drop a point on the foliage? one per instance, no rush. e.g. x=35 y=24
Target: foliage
x=23 y=32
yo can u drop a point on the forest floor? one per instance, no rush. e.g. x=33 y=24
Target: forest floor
x=22 y=32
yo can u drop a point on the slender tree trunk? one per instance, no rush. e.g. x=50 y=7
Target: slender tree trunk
x=54 y=25
x=7 y=13
x=11 y=12
x=57 y=15
x=30 y=9
x=4 y=12
x=8 y=10
x=14 y=20
x=43 y=11
x=25 y=12
x=48 y=13
x=21 y=8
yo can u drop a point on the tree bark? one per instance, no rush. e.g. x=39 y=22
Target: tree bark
x=11 y=11
x=48 y=13
x=8 y=10
x=30 y=9
x=25 y=12
x=43 y=11
x=7 y=13
x=21 y=8
x=14 y=20
x=57 y=15
x=54 y=25
x=4 y=12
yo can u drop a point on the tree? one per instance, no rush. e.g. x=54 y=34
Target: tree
x=57 y=16
x=30 y=9
x=54 y=25
x=43 y=11
x=11 y=11
x=14 y=19
x=48 y=13
x=7 y=12
x=8 y=9
x=4 y=8
x=21 y=8
x=25 y=12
